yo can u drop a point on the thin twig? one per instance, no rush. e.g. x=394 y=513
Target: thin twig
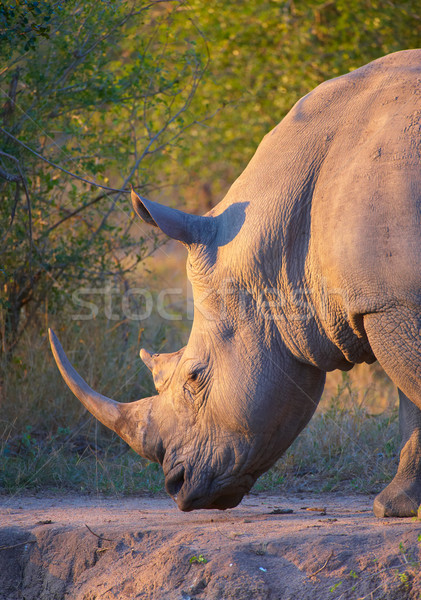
x=104 y=187
x=28 y=204
x=17 y=545
x=99 y=536
x=74 y=213
x=321 y=568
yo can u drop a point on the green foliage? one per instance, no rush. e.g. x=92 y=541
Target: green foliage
x=55 y=465
x=104 y=95
x=404 y=579
x=25 y=21
x=271 y=54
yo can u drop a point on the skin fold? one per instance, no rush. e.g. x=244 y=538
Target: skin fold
x=310 y=263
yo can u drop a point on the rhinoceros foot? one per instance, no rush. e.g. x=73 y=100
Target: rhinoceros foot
x=401 y=498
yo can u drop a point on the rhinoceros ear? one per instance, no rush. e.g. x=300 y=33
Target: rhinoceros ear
x=189 y=229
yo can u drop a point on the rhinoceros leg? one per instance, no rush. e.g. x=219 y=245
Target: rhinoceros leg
x=396 y=342
x=402 y=497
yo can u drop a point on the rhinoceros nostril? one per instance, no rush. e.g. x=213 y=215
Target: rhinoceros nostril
x=175 y=482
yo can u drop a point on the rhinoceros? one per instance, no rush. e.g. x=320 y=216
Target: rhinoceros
x=310 y=263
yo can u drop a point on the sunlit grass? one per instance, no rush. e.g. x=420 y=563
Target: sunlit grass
x=346 y=446
x=48 y=441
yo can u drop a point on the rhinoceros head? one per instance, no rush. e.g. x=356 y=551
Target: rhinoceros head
x=234 y=398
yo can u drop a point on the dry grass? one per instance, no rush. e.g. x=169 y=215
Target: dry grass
x=49 y=441
x=349 y=444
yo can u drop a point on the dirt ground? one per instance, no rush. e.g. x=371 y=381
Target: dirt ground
x=270 y=547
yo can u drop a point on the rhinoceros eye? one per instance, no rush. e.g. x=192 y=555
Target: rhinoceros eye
x=191 y=386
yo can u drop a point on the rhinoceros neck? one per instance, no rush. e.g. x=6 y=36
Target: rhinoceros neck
x=269 y=255
x=271 y=259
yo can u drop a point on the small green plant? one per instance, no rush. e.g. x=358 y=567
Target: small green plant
x=407 y=556
x=404 y=579
x=198 y=559
x=336 y=585
x=353 y=574
x=27 y=443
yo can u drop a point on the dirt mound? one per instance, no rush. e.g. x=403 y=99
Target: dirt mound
x=100 y=549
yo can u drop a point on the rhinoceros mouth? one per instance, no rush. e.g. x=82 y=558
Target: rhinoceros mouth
x=194 y=501
x=206 y=490
x=206 y=497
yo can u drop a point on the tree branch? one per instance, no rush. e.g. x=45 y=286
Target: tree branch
x=8 y=176
x=56 y=166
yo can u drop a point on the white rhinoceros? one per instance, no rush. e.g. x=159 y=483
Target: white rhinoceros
x=310 y=263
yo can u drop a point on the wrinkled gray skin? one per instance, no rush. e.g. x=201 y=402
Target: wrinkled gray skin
x=310 y=263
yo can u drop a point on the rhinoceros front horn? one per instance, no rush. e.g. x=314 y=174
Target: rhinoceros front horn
x=132 y=421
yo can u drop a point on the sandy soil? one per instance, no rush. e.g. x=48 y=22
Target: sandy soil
x=330 y=546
